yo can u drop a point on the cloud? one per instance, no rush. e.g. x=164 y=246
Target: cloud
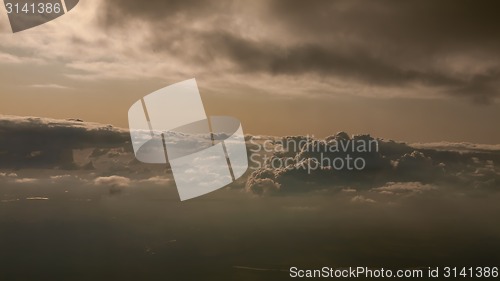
x=73 y=151
x=112 y=181
x=361 y=199
x=460 y=146
x=404 y=188
x=13 y=59
x=37 y=198
x=157 y=11
x=26 y=180
x=262 y=186
x=10 y=175
x=49 y=86
x=45 y=142
x=412 y=49
x=157 y=180
x=396 y=168
x=429 y=45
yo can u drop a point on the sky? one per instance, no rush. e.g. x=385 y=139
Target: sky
x=77 y=204
x=414 y=71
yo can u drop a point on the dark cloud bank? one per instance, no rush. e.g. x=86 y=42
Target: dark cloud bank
x=448 y=46
x=49 y=143
x=414 y=206
x=395 y=164
x=67 y=145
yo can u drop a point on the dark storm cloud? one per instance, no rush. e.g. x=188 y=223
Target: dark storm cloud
x=485 y=86
x=45 y=142
x=291 y=170
x=105 y=152
x=37 y=132
x=382 y=43
x=50 y=143
x=429 y=25
x=255 y=56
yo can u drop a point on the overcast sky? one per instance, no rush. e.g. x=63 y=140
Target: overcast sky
x=75 y=196
x=414 y=71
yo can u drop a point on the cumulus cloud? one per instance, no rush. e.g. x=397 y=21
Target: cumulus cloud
x=101 y=155
x=112 y=181
x=361 y=199
x=395 y=168
x=404 y=188
x=262 y=186
x=10 y=175
x=157 y=180
x=26 y=180
x=45 y=142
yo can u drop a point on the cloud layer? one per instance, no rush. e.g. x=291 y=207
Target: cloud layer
x=396 y=168
x=446 y=47
x=45 y=142
x=73 y=152
x=411 y=49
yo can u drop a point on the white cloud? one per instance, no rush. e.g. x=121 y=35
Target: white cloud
x=49 y=86
x=157 y=180
x=362 y=199
x=113 y=181
x=26 y=180
x=404 y=187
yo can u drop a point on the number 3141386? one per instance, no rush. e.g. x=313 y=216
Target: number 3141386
x=33 y=8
